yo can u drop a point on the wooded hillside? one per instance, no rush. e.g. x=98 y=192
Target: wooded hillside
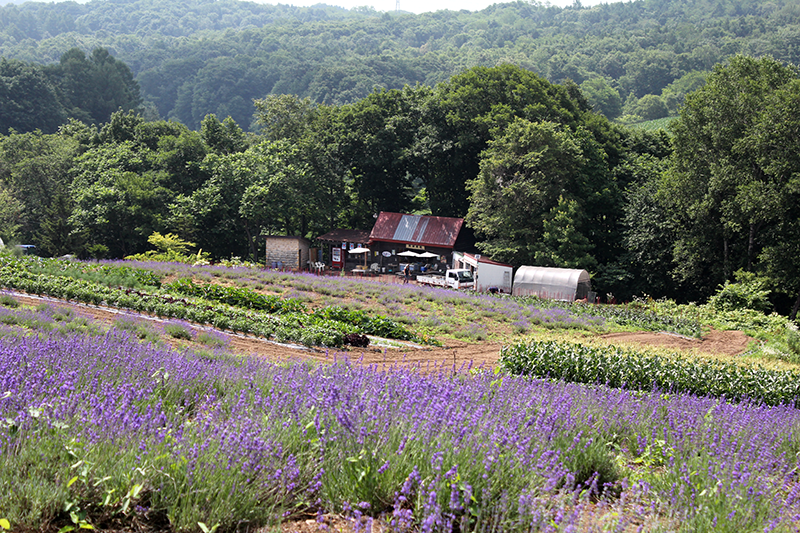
x=192 y=58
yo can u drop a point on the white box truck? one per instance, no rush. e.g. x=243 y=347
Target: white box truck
x=490 y=276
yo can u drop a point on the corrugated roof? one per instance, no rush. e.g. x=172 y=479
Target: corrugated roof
x=416 y=229
x=346 y=235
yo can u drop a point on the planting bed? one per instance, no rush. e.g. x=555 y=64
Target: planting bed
x=485 y=353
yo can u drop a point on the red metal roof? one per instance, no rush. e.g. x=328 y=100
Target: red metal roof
x=422 y=230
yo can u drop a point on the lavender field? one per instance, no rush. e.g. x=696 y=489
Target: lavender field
x=108 y=430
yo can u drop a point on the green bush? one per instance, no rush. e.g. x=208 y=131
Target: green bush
x=747 y=292
x=8 y=301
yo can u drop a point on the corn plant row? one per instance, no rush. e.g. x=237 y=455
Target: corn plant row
x=624 y=368
x=623 y=315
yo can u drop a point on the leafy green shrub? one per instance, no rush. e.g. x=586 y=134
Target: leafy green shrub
x=177 y=331
x=748 y=292
x=793 y=338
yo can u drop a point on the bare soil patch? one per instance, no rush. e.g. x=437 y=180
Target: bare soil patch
x=714 y=342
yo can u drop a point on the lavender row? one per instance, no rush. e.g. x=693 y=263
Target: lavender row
x=130 y=434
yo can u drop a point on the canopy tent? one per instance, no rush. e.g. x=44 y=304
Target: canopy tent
x=553 y=283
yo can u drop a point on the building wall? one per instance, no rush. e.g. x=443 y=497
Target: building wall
x=289 y=252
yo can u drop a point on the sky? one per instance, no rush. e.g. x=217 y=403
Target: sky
x=422 y=6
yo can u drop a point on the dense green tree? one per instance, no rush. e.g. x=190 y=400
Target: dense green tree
x=464 y=113
x=648 y=233
x=29 y=100
x=523 y=174
x=224 y=137
x=721 y=195
x=94 y=87
x=603 y=98
x=118 y=200
x=284 y=116
x=57 y=235
x=314 y=130
x=774 y=140
x=10 y=215
x=246 y=195
x=648 y=107
x=562 y=244
x=375 y=140
x=35 y=168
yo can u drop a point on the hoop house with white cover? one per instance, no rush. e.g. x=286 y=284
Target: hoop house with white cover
x=554 y=283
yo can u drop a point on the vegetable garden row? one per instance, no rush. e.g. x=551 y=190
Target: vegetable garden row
x=625 y=368
x=227 y=308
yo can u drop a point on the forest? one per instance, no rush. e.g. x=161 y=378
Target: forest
x=540 y=177
x=632 y=60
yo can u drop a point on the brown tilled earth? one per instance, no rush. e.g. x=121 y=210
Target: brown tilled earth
x=454 y=352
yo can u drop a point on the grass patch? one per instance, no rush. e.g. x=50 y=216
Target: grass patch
x=212 y=339
x=7 y=300
x=177 y=330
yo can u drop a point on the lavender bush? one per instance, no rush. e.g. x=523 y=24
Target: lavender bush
x=109 y=432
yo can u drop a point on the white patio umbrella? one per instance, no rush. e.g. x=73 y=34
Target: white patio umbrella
x=361 y=250
x=428 y=255
x=409 y=253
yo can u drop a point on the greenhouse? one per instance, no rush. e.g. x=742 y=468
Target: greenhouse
x=554 y=283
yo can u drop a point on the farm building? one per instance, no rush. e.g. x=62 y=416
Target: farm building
x=554 y=283
x=395 y=233
x=339 y=242
x=286 y=252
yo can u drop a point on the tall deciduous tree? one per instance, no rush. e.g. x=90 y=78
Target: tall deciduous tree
x=96 y=86
x=36 y=168
x=721 y=194
x=463 y=115
x=118 y=199
x=523 y=174
x=775 y=140
x=10 y=215
x=562 y=243
x=29 y=100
